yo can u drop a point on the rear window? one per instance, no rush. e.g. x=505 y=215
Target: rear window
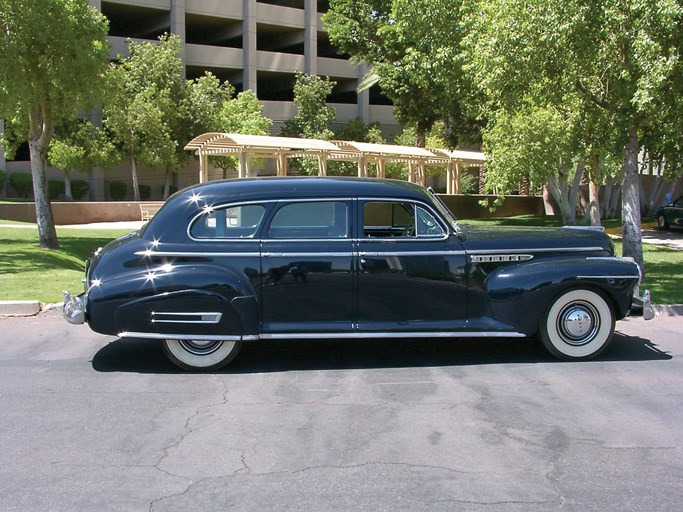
x=319 y=219
x=233 y=222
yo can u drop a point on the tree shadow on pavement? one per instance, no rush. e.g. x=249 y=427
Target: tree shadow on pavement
x=147 y=356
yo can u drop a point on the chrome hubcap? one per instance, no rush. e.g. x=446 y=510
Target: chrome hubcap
x=199 y=347
x=578 y=323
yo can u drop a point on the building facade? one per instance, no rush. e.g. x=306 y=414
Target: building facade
x=258 y=45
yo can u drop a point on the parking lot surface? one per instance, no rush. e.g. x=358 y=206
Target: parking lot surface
x=91 y=422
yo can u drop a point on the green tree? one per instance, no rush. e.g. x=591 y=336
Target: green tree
x=141 y=109
x=413 y=51
x=621 y=59
x=242 y=114
x=313 y=116
x=213 y=107
x=79 y=146
x=53 y=55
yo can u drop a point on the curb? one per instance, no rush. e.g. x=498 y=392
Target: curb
x=669 y=309
x=20 y=307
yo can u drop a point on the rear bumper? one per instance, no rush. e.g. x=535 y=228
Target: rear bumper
x=643 y=306
x=73 y=310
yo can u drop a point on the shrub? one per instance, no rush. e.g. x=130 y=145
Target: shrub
x=22 y=184
x=3 y=175
x=117 y=190
x=54 y=189
x=79 y=189
x=145 y=192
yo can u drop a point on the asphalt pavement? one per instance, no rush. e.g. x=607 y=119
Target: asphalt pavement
x=96 y=423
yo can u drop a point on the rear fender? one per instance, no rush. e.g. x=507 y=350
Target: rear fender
x=192 y=299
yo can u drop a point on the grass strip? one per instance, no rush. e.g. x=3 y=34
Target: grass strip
x=30 y=273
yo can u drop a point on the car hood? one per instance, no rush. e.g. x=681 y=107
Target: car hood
x=476 y=238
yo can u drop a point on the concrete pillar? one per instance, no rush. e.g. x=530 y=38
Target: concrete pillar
x=178 y=25
x=249 y=46
x=311 y=36
x=363 y=97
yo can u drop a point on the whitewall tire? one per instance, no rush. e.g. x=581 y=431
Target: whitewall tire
x=200 y=355
x=579 y=324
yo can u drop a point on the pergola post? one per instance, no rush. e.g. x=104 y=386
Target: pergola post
x=411 y=172
x=381 y=168
x=322 y=164
x=243 y=171
x=362 y=167
x=203 y=167
x=450 y=171
x=456 y=179
x=281 y=164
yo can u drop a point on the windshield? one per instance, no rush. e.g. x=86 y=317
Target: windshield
x=443 y=209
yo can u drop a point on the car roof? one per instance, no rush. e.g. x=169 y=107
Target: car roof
x=244 y=189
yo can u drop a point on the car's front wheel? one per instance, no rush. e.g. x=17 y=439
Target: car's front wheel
x=662 y=223
x=200 y=355
x=579 y=324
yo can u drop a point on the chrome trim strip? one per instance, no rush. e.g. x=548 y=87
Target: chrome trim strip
x=307 y=240
x=307 y=254
x=538 y=249
x=205 y=254
x=500 y=258
x=202 y=318
x=410 y=253
x=372 y=335
x=157 y=336
x=324 y=335
x=608 y=277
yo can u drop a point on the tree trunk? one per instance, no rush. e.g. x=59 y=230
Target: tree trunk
x=614 y=203
x=136 y=186
x=593 y=192
x=167 y=184
x=68 y=195
x=632 y=240
x=39 y=135
x=565 y=194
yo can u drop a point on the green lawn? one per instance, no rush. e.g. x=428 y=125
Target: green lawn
x=30 y=273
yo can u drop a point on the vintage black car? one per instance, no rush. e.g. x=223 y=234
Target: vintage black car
x=235 y=261
x=670 y=214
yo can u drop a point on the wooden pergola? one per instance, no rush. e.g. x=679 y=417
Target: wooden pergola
x=281 y=148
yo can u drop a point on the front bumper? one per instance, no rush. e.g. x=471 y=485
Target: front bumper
x=73 y=310
x=643 y=306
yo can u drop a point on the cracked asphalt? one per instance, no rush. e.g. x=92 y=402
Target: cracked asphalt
x=95 y=423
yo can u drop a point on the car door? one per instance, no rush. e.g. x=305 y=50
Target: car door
x=307 y=278
x=411 y=270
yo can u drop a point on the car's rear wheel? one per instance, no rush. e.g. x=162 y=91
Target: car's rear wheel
x=662 y=223
x=578 y=325
x=200 y=355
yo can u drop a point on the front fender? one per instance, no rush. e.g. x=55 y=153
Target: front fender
x=519 y=294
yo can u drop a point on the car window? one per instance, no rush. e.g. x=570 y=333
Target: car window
x=388 y=219
x=233 y=222
x=315 y=219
